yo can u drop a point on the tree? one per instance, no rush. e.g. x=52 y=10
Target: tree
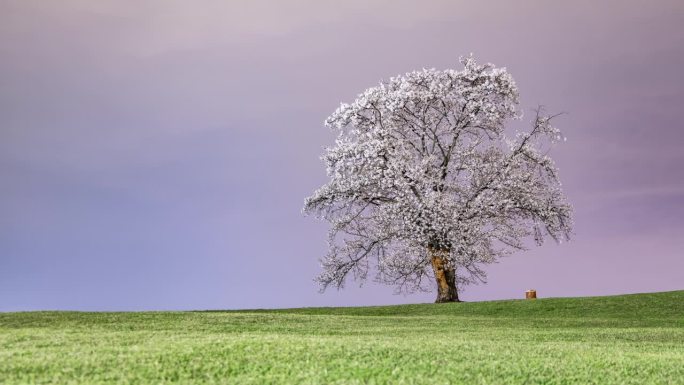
x=424 y=176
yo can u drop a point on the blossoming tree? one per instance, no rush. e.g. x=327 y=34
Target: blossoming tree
x=424 y=181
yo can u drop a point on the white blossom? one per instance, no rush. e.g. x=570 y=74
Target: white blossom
x=422 y=160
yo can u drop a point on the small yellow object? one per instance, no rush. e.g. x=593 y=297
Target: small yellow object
x=531 y=294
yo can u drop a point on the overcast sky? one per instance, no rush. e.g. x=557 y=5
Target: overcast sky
x=156 y=154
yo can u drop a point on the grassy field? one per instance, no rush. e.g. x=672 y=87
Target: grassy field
x=631 y=339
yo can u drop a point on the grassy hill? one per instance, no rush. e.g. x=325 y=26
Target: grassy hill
x=630 y=339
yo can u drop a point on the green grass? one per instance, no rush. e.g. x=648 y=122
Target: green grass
x=631 y=339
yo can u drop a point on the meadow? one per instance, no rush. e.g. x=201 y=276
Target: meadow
x=629 y=339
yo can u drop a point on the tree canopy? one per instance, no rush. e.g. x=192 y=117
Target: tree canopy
x=424 y=165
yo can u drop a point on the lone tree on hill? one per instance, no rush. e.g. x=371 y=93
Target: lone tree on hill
x=423 y=177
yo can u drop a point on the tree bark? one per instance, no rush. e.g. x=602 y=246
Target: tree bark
x=445 y=275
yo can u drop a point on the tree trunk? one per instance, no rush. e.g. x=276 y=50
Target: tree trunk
x=445 y=275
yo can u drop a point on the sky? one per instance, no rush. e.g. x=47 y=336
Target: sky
x=155 y=155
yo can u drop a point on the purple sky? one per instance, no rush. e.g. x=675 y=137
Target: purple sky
x=156 y=154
